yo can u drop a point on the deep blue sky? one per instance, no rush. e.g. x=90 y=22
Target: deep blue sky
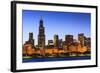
x=60 y=23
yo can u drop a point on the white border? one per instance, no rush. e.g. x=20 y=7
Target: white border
x=21 y=65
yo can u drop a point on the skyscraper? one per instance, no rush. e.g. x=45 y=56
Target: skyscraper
x=56 y=41
x=87 y=42
x=68 y=39
x=50 y=42
x=41 y=35
x=60 y=43
x=81 y=39
x=31 y=40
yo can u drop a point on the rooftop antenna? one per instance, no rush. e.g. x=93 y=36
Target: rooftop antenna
x=41 y=18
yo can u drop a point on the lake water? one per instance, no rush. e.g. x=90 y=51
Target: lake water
x=55 y=59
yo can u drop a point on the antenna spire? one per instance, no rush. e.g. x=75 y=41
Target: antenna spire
x=41 y=18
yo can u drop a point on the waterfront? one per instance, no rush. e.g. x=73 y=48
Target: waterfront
x=63 y=45
x=27 y=60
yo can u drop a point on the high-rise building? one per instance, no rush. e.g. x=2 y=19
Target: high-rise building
x=60 y=43
x=87 y=42
x=30 y=40
x=56 y=41
x=50 y=42
x=29 y=45
x=41 y=35
x=68 y=39
x=81 y=39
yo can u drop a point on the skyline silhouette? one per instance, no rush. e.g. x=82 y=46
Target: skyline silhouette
x=61 y=23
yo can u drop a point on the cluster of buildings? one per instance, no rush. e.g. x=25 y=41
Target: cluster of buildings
x=83 y=44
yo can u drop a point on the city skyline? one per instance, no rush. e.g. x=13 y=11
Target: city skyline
x=51 y=20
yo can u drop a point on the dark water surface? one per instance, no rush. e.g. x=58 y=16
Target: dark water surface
x=25 y=60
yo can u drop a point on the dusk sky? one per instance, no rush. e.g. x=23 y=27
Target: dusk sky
x=61 y=23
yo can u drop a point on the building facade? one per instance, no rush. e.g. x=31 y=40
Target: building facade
x=28 y=47
x=30 y=40
x=41 y=35
x=50 y=42
x=68 y=39
x=87 y=43
x=56 y=41
x=60 y=43
x=81 y=39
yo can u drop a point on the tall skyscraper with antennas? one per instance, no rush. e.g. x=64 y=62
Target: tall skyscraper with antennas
x=41 y=35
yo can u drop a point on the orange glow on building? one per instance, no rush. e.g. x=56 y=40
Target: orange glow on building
x=27 y=49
